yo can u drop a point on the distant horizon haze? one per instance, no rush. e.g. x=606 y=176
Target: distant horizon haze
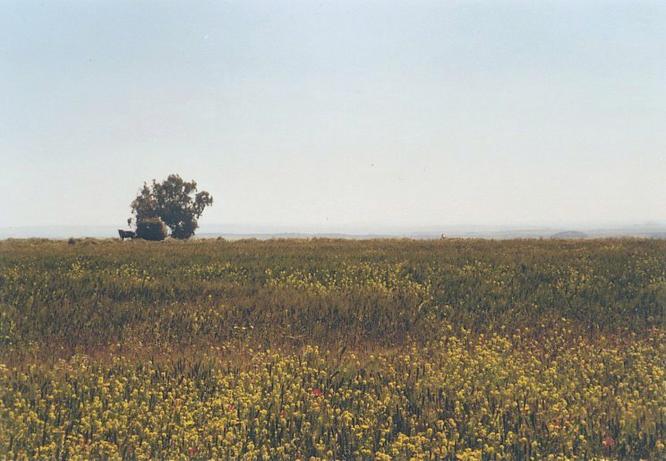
x=650 y=230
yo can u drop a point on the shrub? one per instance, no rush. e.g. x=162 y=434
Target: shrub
x=151 y=229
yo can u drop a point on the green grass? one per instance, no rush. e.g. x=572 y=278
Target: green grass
x=453 y=349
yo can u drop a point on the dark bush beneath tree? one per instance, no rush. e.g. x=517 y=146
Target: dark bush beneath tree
x=151 y=229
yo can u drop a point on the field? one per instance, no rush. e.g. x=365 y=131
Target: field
x=330 y=349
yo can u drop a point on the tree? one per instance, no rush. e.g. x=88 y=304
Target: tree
x=174 y=201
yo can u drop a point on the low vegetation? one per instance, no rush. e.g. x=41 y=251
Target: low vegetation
x=328 y=349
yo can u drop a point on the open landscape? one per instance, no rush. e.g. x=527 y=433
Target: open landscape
x=333 y=230
x=329 y=349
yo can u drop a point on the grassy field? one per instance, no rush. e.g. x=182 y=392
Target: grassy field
x=329 y=349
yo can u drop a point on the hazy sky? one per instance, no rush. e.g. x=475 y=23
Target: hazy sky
x=336 y=115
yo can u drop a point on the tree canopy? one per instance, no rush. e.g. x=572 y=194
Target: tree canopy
x=175 y=201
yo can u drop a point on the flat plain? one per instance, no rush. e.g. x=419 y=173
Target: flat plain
x=329 y=349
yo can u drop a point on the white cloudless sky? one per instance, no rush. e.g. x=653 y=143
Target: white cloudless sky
x=336 y=115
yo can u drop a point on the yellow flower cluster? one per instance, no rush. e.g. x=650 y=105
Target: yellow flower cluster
x=383 y=279
x=463 y=397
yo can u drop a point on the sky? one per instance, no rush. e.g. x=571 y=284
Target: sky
x=336 y=115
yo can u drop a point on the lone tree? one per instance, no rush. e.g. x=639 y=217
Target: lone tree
x=176 y=202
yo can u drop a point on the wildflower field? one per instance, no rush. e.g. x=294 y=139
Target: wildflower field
x=331 y=349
